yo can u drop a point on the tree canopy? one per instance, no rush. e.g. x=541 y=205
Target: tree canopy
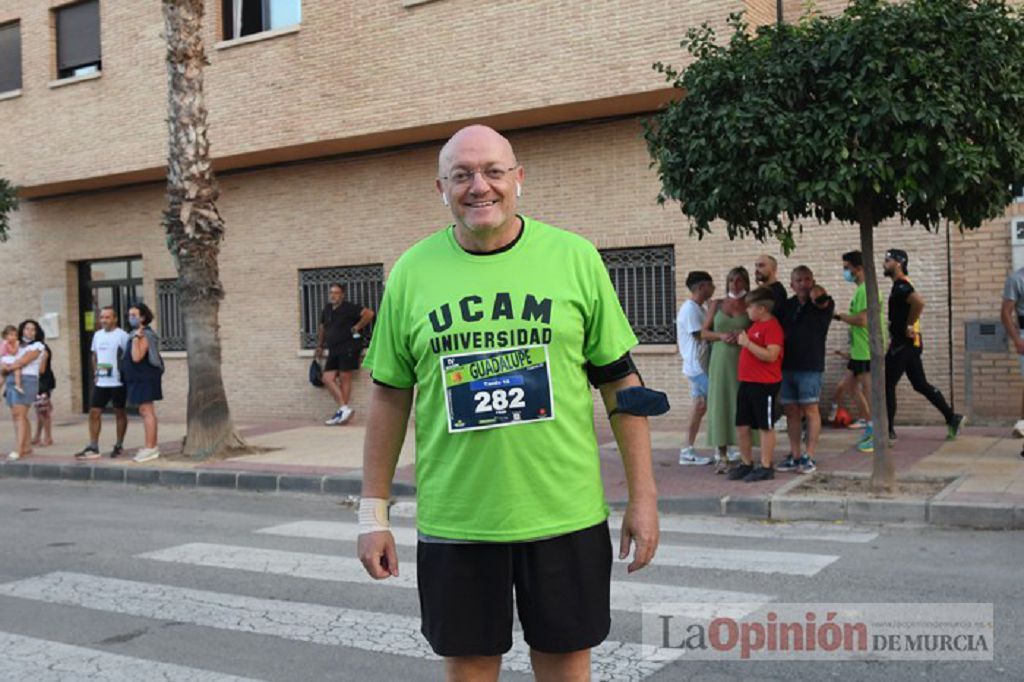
x=913 y=109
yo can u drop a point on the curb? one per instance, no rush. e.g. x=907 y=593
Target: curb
x=244 y=481
x=937 y=511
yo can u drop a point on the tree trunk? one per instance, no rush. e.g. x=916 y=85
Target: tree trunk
x=194 y=230
x=883 y=470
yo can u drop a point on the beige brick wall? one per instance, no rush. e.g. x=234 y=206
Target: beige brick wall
x=355 y=68
x=591 y=178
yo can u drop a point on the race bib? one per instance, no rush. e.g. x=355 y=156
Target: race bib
x=104 y=370
x=497 y=388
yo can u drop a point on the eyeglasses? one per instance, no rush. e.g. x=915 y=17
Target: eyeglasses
x=493 y=174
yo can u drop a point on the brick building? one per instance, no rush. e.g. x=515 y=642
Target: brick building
x=326 y=117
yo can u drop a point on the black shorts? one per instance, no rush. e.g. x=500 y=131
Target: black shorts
x=859 y=367
x=104 y=395
x=757 y=405
x=343 y=358
x=562 y=587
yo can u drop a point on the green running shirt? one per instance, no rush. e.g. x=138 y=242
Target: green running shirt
x=496 y=346
x=860 y=344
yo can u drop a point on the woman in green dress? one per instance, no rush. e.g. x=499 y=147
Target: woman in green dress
x=726 y=318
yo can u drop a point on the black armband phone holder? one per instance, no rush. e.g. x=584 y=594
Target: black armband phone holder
x=605 y=374
x=640 y=401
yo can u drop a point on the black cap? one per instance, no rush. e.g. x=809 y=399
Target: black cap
x=697 y=277
x=898 y=255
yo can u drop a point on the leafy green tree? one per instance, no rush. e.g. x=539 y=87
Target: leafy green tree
x=912 y=109
x=8 y=203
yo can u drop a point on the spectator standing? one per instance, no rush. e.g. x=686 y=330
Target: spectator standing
x=43 y=404
x=143 y=370
x=693 y=349
x=109 y=346
x=726 y=318
x=1013 y=322
x=29 y=356
x=341 y=326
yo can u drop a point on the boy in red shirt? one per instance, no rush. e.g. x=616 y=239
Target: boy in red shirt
x=760 y=375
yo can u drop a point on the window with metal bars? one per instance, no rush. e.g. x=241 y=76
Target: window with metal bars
x=170 y=323
x=364 y=285
x=645 y=280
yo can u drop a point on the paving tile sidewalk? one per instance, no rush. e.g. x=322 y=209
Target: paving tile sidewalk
x=984 y=461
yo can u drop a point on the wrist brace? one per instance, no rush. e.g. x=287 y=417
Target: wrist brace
x=373 y=515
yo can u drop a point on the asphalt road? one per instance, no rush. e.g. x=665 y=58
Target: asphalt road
x=104 y=582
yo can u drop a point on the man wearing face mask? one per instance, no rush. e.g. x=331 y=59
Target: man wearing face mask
x=109 y=344
x=906 y=346
x=857 y=378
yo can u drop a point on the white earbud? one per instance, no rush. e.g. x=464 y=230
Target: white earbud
x=444 y=199
x=519 y=190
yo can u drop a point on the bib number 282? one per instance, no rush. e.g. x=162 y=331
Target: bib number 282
x=499 y=400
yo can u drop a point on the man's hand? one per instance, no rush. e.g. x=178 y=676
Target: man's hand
x=1018 y=343
x=319 y=352
x=640 y=528
x=378 y=554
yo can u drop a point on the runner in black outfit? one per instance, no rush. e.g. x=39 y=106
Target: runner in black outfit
x=905 y=347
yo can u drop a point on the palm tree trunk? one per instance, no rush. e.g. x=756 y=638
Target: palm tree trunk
x=194 y=230
x=883 y=470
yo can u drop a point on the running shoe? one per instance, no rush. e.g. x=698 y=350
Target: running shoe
x=346 y=414
x=760 y=474
x=146 y=455
x=867 y=445
x=832 y=413
x=336 y=419
x=116 y=452
x=956 y=426
x=88 y=452
x=806 y=465
x=733 y=455
x=688 y=457
x=789 y=465
x=859 y=424
x=740 y=472
x=14 y=456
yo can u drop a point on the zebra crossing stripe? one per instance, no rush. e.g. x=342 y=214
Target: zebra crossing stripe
x=41 y=660
x=625 y=595
x=746 y=528
x=683 y=556
x=386 y=633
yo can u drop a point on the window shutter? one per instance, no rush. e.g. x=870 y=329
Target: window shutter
x=78 y=35
x=10 y=57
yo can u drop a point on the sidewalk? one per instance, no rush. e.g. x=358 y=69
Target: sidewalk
x=983 y=465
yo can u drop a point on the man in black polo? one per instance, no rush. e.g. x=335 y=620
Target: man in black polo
x=341 y=325
x=805 y=319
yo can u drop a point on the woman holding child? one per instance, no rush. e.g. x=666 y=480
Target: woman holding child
x=27 y=359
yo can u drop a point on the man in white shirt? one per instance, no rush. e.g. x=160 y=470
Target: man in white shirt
x=694 y=353
x=109 y=344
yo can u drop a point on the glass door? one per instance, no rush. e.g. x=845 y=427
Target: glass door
x=115 y=283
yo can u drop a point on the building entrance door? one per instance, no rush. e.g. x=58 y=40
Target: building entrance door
x=116 y=283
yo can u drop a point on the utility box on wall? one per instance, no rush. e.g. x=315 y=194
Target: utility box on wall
x=980 y=336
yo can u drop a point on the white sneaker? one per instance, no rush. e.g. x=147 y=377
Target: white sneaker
x=782 y=424
x=832 y=411
x=733 y=455
x=346 y=414
x=688 y=457
x=13 y=456
x=1018 y=429
x=336 y=419
x=146 y=455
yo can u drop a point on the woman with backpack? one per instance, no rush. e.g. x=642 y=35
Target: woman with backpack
x=143 y=369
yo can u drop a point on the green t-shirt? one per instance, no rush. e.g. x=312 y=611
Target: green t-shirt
x=860 y=344
x=496 y=346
